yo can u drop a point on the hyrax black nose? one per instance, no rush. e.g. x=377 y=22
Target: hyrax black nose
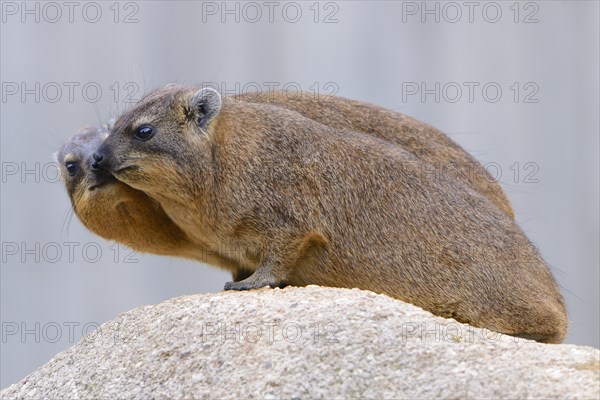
x=98 y=160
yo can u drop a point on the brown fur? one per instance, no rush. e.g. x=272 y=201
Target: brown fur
x=295 y=202
x=425 y=142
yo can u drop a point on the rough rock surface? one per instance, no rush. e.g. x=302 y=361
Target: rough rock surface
x=306 y=343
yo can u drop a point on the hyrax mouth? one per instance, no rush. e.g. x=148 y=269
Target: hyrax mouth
x=101 y=178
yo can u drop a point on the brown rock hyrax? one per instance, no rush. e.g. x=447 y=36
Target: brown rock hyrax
x=296 y=202
x=425 y=142
x=116 y=211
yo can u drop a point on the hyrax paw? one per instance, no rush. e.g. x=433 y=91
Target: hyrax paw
x=248 y=284
x=241 y=285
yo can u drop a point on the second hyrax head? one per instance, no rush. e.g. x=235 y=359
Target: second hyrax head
x=86 y=186
x=159 y=137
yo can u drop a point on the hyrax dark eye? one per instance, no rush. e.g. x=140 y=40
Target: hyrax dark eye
x=144 y=132
x=71 y=167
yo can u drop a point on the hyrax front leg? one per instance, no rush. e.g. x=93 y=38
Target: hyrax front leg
x=268 y=273
x=305 y=253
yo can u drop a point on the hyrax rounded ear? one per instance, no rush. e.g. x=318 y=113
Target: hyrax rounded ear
x=207 y=102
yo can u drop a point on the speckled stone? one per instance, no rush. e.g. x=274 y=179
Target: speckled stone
x=307 y=342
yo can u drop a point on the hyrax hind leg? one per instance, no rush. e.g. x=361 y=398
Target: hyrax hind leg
x=547 y=324
x=543 y=319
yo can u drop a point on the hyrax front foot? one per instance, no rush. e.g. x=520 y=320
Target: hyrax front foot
x=249 y=283
x=246 y=284
x=263 y=276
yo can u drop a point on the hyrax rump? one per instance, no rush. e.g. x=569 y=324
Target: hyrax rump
x=295 y=202
x=116 y=211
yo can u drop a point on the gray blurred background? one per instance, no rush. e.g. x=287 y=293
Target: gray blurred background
x=531 y=117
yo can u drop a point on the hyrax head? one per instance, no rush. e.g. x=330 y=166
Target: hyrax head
x=74 y=160
x=166 y=132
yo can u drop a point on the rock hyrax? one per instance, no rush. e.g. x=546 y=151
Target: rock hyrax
x=297 y=203
x=425 y=142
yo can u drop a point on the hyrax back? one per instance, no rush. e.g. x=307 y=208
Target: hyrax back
x=425 y=142
x=300 y=203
